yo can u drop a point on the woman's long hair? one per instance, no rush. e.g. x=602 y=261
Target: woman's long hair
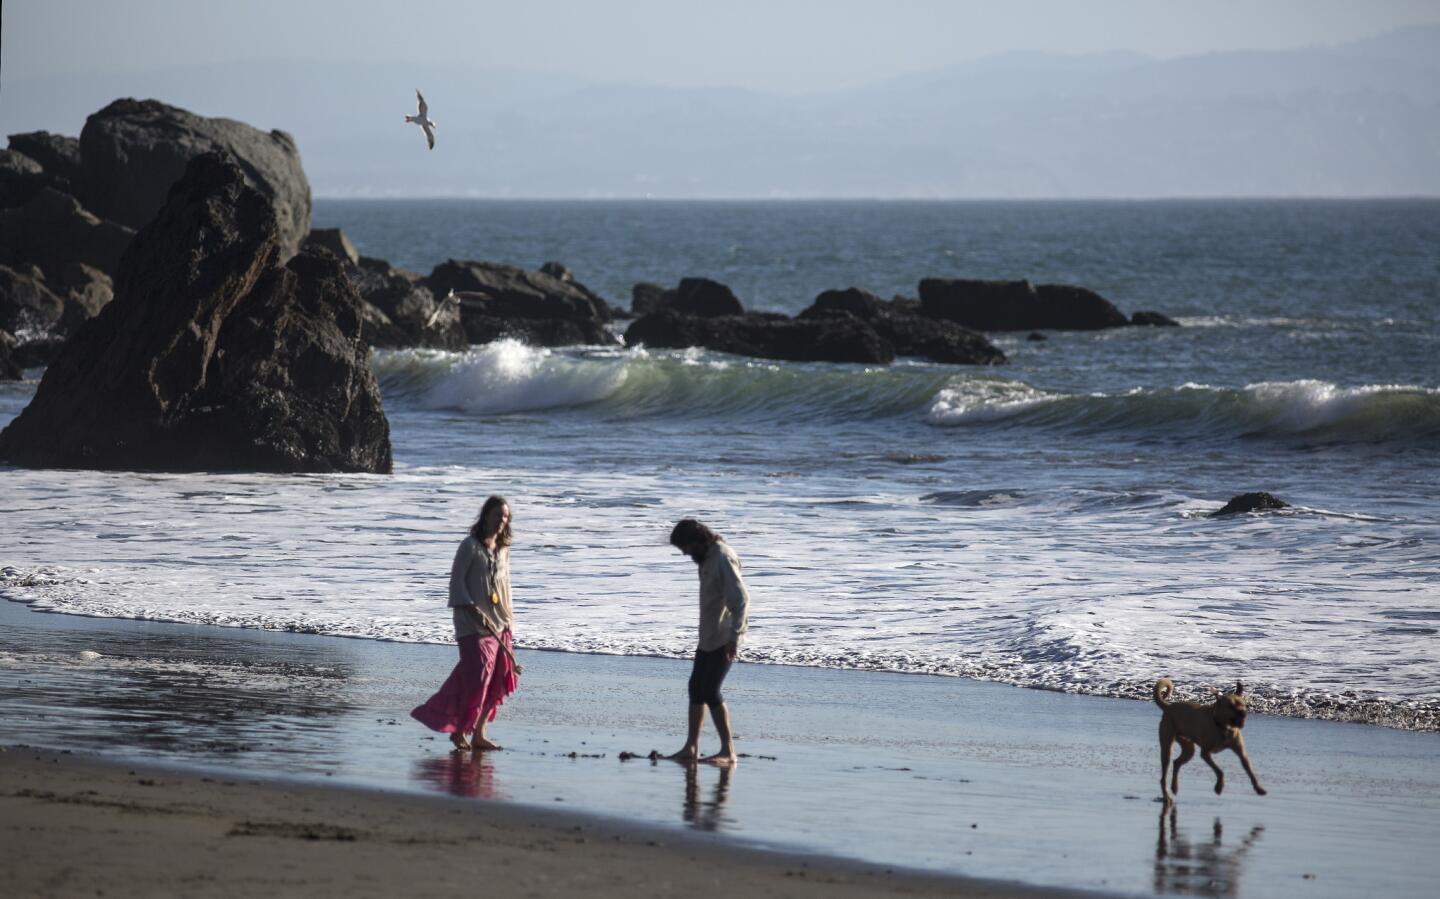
x=502 y=539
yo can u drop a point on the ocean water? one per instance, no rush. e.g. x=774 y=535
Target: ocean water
x=1043 y=523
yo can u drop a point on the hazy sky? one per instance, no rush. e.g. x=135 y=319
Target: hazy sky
x=781 y=45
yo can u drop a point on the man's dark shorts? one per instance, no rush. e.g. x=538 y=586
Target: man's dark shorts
x=707 y=676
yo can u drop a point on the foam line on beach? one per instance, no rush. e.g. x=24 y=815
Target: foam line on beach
x=1049 y=658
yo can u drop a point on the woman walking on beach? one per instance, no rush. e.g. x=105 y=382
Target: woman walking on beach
x=480 y=598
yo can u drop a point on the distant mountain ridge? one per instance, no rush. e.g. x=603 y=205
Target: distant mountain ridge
x=1355 y=119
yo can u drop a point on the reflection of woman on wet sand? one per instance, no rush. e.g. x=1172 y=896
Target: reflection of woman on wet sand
x=480 y=598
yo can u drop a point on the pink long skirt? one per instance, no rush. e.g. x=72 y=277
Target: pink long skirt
x=478 y=686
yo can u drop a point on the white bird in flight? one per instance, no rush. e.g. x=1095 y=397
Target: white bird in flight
x=420 y=118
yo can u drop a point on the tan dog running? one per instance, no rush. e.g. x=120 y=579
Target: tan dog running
x=1214 y=727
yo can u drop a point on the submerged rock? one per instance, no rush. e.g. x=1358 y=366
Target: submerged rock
x=1251 y=502
x=1154 y=319
x=132 y=151
x=211 y=356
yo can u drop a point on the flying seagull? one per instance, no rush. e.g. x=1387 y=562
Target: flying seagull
x=441 y=307
x=420 y=118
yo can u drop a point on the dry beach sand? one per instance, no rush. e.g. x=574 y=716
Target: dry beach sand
x=78 y=826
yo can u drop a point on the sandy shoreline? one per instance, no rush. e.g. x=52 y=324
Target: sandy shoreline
x=84 y=826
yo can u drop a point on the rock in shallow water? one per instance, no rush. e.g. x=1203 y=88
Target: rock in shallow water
x=507 y=301
x=211 y=356
x=841 y=338
x=909 y=333
x=1017 y=305
x=1251 y=502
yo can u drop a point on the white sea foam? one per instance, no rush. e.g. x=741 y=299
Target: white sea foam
x=1092 y=590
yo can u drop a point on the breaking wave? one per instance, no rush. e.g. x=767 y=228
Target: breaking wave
x=1314 y=410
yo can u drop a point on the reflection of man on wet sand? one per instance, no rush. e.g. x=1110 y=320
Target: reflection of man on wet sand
x=702 y=815
x=723 y=604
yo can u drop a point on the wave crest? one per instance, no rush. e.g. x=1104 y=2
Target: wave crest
x=1315 y=410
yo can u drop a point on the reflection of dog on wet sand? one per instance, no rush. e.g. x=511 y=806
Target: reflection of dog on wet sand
x=1213 y=728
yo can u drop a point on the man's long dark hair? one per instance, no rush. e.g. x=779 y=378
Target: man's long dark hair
x=689 y=532
x=502 y=539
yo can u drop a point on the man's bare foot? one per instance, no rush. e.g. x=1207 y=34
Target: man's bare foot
x=686 y=756
x=722 y=759
x=484 y=744
x=458 y=740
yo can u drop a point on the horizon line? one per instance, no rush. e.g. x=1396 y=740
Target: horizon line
x=1174 y=198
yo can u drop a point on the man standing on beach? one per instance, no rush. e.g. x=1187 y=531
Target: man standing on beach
x=723 y=604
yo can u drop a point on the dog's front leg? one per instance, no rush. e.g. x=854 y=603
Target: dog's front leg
x=1239 y=748
x=1219 y=775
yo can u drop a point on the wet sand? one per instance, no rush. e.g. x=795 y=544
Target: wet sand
x=941 y=775
x=76 y=826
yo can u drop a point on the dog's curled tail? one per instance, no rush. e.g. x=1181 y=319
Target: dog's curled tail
x=1163 y=690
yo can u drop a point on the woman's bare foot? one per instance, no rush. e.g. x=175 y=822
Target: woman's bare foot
x=722 y=759
x=485 y=744
x=688 y=756
x=458 y=740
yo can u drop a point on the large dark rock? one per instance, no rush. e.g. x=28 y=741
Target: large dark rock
x=20 y=178
x=646 y=298
x=1017 y=305
x=211 y=356
x=1251 y=502
x=908 y=333
x=701 y=296
x=52 y=230
x=506 y=301
x=840 y=338
x=58 y=155
x=693 y=296
x=133 y=150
